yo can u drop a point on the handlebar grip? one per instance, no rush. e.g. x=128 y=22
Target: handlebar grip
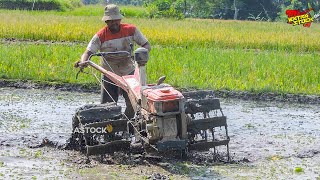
x=101 y=54
x=82 y=65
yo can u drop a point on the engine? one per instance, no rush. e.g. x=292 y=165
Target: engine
x=161 y=105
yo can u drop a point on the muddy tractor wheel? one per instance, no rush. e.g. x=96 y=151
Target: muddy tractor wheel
x=204 y=121
x=96 y=127
x=76 y=141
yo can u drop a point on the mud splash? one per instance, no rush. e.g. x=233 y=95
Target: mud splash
x=268 y=140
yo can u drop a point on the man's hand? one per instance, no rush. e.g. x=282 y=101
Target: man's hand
x=147 y=46
x=76 y=64
x=82 y=62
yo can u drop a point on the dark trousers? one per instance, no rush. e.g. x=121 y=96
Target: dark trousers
x=114 y=93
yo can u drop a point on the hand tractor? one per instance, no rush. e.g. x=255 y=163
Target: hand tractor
x=165 y=119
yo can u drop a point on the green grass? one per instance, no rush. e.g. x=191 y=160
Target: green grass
x=98 y=11
x=90 y=10
x=39 y=62
x=164 y=32
x=192 y=53
x=205 y=68
x=266 y=71
x=133 y=11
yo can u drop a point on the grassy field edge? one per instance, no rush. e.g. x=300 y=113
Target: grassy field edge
x=205 y=68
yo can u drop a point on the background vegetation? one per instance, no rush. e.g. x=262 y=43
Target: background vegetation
x=262 y=10
x=61 y=5
x=187 y=33
x=204 y=68
x=193 y=53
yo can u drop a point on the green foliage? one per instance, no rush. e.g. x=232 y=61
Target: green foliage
x=66 y=5
x=38 y=154
x=204 y=68
x=133 y=11
x=40 y=62
x=218 y=9
x=152 y=11
x=179 y=9
x=87 y=10
x=252 y=56
x=200 y=9
x=263 y=9
x=179 y=6
x=61 y=5
x=98 y=11
x=226 y=9
x=298 y=169
x=164 y=8
x=168 y=32
x=289 y=4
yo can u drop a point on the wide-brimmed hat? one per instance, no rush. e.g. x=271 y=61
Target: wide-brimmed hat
x=111 y=12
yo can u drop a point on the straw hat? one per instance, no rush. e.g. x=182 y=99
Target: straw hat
x=111 y=12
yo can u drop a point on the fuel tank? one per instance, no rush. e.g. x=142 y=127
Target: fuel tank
x=162 y=100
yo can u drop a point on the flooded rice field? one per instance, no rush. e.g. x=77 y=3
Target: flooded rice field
x=269 y=140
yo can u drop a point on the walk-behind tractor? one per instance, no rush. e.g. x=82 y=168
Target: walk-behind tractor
x=165 y=119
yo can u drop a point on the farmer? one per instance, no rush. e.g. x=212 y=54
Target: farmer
x=115 y=37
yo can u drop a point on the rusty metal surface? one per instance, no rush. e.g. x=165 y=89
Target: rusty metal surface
x=97 y=112
x=208 y=123
x=204 y=146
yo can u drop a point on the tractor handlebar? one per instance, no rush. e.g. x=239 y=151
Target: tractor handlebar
x=109 y=53
x=105 y=54
x=84 y=64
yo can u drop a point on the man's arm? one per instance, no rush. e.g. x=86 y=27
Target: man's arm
x=93 y=46
x=147 y=46
x=139 y=38
x=84 y=58
x=85 y=55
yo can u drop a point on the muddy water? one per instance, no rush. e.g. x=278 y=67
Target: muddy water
x=268 y=140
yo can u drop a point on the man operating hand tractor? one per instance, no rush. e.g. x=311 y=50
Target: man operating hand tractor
x=116 y=36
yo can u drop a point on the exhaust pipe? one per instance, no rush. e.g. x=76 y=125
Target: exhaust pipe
x=141 y=56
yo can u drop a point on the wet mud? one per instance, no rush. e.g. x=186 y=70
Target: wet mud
x=269 y=140
x=243 y=95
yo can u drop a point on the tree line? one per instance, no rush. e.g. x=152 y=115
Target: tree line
x=262 y=10
x=267 y=10
x=59 y=5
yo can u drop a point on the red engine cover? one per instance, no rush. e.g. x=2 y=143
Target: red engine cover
x=167 y=93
